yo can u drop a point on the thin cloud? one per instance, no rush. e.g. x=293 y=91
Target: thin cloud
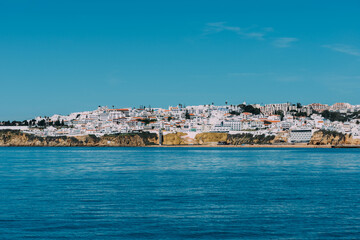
x=252 y=32
x=284 y=42
x=343 y=49
x=217 y=27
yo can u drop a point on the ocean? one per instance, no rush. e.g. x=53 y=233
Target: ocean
x=179 y=193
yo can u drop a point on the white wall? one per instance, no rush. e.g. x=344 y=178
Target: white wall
x=14 y=127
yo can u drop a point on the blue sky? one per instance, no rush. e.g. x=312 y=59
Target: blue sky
x=67 y=56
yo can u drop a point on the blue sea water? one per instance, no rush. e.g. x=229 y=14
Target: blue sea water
x=179 y=193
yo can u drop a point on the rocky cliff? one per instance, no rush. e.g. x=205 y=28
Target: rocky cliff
x=247 y=138
x=213 y=138
x=17 y=138
x=180 y=138
x=323 y=137
x=175 y=139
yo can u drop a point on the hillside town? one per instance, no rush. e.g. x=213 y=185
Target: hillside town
x=293 y=122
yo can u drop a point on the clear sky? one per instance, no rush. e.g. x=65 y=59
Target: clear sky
x=67 y=56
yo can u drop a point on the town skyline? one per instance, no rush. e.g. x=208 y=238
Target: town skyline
x=119 y=106
x=282 y=123
x=147 y=106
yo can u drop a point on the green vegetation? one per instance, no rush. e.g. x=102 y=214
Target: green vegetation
x=246 y=108
x=17 y=138
x=147 y=120
x=187 y=115
x=340 y=117
x=333 y=134
x=251 y=109
x=14 y=123
x=334 y=116
x=234 y=113
x=42 y=123
x=280 y=113
x=301 y=114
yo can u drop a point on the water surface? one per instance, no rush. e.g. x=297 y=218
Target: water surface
x=179 y=193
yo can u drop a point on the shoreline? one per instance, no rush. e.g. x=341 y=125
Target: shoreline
x=245 y=146
x=299 y=146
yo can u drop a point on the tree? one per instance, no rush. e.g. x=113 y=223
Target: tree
x=147 y=120
x=242 y=106
x=281 y=113
x=57 y=123
x=41 y=123
x=298 y=105
x=334 y=116
x=301 y=114
x=251 y=109
x=187 y=115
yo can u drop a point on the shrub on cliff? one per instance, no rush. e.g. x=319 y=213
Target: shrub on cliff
x=247 y=138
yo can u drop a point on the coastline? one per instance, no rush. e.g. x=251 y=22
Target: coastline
x=195 y=146
x=11 y=138
x=242 y=146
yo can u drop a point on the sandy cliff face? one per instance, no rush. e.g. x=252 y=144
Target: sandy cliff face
x=17 y=138
x=174 y=139
x=247 y=138
x=332 y=138
x=213 y=138
x=180 y=138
